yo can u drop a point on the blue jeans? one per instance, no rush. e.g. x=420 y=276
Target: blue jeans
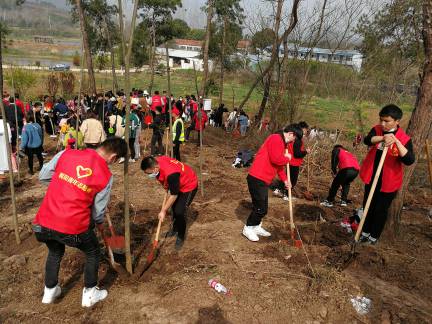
x=56 y=242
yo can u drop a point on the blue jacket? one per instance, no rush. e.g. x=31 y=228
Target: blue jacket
x=31 y=136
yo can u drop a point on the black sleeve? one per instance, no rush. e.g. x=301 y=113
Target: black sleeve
x=178 y=132
x=174 y=183
x=368 y=139
x=409 y=158
x=335 y=160
x=298 y=153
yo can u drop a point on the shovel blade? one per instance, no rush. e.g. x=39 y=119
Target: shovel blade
x=116 y=242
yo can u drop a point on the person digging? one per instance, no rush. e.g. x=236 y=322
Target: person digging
x=78 y=193
x=271 y=159
x=400 y=152
x=182 y=184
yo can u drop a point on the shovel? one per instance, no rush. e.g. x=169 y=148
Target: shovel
x=114 y=242
x=366 y=208
x=297 y=243
x=116 y=266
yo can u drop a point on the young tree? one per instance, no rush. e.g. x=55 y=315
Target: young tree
x=91 y=77
x=229 y=13
x=206 y=44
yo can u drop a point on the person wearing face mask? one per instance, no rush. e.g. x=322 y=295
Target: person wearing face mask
x=182 y=184
x=386 y=133
x=79 y=189
x=271 y=159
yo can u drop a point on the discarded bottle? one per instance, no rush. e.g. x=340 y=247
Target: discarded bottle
x=218 y=287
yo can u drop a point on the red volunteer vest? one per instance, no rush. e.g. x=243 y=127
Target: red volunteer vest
x=295 y=161
x=156 y=101
x=347 y=160
x=168 y=166
x=78 y=177
x=392 y=173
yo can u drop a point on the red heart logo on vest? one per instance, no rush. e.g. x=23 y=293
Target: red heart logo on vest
x=83 y=172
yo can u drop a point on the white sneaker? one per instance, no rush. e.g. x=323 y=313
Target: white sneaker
x=261 y=231
x=132 y=161
x=50 y=294
x=122 y=159
x=249 y=232
x=93 y=295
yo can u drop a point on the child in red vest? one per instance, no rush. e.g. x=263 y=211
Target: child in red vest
x=270 y=160
x=79 y=189
x=181 y=182
x=387 y=133
x=345 y=169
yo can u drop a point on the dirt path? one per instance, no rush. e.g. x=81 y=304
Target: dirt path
x=270 y=281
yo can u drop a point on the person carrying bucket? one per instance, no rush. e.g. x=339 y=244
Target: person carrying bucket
x=271 y=159
x=79 y=189
x=400 y=152
x=181 y=182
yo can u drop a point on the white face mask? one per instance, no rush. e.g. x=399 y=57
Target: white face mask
x=153 y=175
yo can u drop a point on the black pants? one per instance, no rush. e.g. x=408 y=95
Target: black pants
x=188 y=130
x=132 y=147
x=55 y=241
x=179 y=209
x=294 y=173
x=176 y=150
x=343 y=178
x=30 y=152
x=259 y=194
x=156 y=139
x=378 y=210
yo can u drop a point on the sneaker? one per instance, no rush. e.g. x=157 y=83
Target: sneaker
x=50 y=294
x=278 y=193
x=327 y=203
x=44 y=154
x=364 y=237
x=132 y=160
x=93 y=295
x=249 y=232
x=286 y=198
x=371 y=241
x=122 y=159
x=343 y=203
x=53 y=136
x=261 y=231
x=179 y=243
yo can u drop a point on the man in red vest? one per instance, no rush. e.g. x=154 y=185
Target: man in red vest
x=78 y=194
x=345 y=169
x=181 y=182
x=270 y=160
x=156 y=101
x=387 y=133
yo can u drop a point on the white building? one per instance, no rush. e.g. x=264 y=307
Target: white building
x=183 y=59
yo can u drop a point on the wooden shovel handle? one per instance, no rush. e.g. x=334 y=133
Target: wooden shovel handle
x=371 y=193
x=289 y=196
x=110 y=225
x=160 y=222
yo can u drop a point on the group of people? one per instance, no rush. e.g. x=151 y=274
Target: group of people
x=80 y=181
x=230 y=121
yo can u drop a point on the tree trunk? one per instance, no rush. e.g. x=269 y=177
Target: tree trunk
x=266 y=94
x=89 y=61
x=8 y=148
x=152 y=56
x=274 y=57
x=169 y=94
x=222 y=60
x=206 y=48
x=420 y=123
x=127 y=126
x=112 y=57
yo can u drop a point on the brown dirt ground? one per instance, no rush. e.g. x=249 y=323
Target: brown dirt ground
x=271 y=281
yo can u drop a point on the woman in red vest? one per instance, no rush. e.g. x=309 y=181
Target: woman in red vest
x=345 y=169
x=387 y=133
x=270 y=160
x=79 y=189
x=181 y=182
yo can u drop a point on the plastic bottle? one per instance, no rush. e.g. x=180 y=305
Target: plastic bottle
x=218 y=287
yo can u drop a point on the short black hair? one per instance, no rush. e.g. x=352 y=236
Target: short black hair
x=294 y=128
x=30 y=117
x=392 y=111
x=156 y=92
x=148 y=162
x=337 y=146
x=115 y=145
x=303 y=124
x=37 y=104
